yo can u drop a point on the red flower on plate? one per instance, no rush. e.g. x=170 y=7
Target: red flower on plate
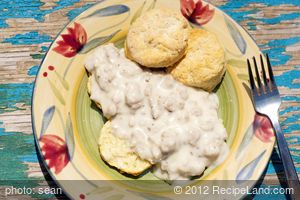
x=196 y=12
x=72 y=42
x=263 y=129
x=55 y=151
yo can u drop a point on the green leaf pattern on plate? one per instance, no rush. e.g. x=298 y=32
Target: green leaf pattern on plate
x=56 y=92
x=69 y=136
x=138 y=13
x=100 y=190
x=64 y=83
x=115 y=197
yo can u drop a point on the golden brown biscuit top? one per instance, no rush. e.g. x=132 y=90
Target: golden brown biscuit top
x=158 y=38
x=203 y=65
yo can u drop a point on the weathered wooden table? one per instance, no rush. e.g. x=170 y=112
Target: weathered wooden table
x=28 y=27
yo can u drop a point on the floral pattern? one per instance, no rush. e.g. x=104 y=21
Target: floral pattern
x=263 y=129
x=72 y=42
x=55 y=151
x=196 y=12
x=58 y=152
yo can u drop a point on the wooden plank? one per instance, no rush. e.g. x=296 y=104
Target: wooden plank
x=274 y=26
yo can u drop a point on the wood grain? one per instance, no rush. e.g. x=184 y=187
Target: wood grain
x=29 y=27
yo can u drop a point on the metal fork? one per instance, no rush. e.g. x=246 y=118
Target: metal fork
x=266 y=100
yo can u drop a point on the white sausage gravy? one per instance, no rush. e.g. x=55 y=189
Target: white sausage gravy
x=167 y=123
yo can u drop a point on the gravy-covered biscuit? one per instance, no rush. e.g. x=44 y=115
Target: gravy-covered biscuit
x=204 y=63
x=158 y=38
x=117 y=152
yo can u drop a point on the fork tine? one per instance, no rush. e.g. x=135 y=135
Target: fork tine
x=270 y=69
x=252 y=84
x=257 y=74
x=263 y=70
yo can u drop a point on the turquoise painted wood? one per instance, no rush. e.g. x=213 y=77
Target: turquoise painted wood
x=28 y=27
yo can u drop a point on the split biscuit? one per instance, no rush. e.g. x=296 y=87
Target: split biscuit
x=117 y=152
x=158 y=38
x=203 y=66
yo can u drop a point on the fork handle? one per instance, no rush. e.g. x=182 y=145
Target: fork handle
x=287 y=161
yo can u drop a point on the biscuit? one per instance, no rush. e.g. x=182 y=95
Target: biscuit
x=117 y=152
x=203 y=66
x=157 y=39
